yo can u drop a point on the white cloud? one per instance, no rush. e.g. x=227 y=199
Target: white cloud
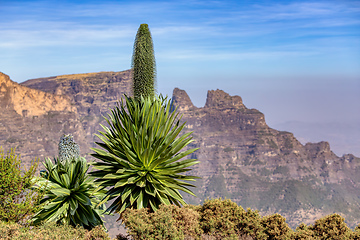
x=47 y=33
x=237 y=55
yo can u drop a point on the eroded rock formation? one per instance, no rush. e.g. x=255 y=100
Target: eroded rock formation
x=241 y=157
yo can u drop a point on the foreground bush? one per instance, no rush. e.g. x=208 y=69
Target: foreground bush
x=332 y=227
x=303 y=232
x=168 y=222
x=17 y=200
x=275 y=227
x=356 y=234
x=50 y=231
x=224 y=219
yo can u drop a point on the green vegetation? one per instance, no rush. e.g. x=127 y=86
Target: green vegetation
x=71 y=196
x=287 y=143
x=140 y=159
x=228 y=149
x=215 y=219
x=217 y=187
x=272 y=144
x=168 y=222
x=331 y=227
x=264 y=172
x=275 y=227
x=284 y=170
x=50 y=231
x=18 y=201
x=140 y=156
x=143 y=64
x=142 y=166
x=223 y=219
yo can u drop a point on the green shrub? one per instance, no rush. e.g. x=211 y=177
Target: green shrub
x=219 y=218
x=50 y=231
x=331 y=227
x=250 y=225
x=168 y=222
x=228 y=149
x=224 y=219
x=356 y=233
x=18 y=200
x=303 y=232
x=272 y=144
x=275 y=227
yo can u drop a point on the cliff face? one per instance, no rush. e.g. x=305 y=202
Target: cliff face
x=91 y=93
x=36 y=113
x=29 y=102
x=259 y=167
x=240 y=156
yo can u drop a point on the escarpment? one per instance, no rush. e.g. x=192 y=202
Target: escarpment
x=29 y=102
x=241 y=157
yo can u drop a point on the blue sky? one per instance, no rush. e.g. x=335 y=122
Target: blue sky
x=292 y=60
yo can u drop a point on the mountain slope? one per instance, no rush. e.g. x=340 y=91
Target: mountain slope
x=262 y=168
x=240 y=156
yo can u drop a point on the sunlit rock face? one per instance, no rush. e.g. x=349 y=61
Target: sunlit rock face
x=36 y=113
x=240 y=156
x=30 y=102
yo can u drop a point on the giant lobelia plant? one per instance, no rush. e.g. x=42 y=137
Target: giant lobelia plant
x=141 y=155
x=71 y=196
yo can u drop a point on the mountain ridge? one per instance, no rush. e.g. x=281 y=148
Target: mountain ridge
x=30 y=102
x=240 y=156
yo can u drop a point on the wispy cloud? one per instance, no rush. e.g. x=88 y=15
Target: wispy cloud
x=40 y=33
x=95 y=23
x=197 y=29
x=220 y=56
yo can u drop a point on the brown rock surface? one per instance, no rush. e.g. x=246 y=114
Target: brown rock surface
x=30 y=102
x=241 y=157
x=55 y=106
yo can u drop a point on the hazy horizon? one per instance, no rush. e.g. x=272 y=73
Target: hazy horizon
x=292 y=60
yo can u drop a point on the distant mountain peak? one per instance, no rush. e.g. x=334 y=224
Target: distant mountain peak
x=182 y=100
x=220 y=99
x=240 y=156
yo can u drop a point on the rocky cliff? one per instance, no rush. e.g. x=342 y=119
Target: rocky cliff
x=91 y=93
x=35 y=114
x=29 y=102
x=241 y=157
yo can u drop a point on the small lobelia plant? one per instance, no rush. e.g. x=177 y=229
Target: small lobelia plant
x=71 y=196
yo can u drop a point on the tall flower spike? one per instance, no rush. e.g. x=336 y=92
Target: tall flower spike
x=143 y=64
